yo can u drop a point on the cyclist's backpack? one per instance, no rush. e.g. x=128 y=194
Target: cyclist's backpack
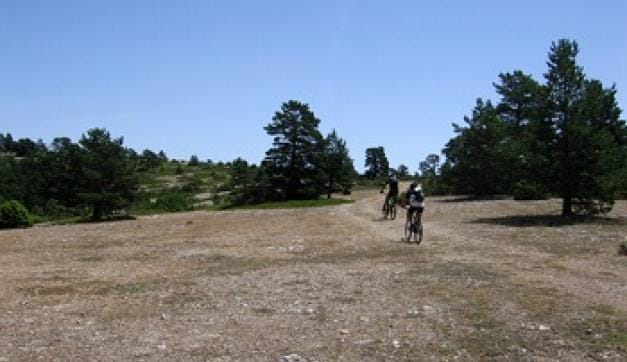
x=416 y=199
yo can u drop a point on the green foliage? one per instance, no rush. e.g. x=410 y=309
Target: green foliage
x=430 y=166
x=337 y=165
x=193 y=161
x=174 y=201
x=402 y=171
x=149 y=160
x=563 y=138
x=476 y=158
x=527 y=190
x=293 y=164
x=108 y=181
x=377 y=164
x=14 y=214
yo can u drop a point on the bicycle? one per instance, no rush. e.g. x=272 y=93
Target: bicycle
x=389 y=208
x=414 y=228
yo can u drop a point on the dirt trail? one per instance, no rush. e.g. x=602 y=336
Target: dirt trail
x=493 y=280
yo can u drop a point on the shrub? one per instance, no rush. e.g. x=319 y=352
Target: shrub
x=13 y=214
x=174 y=202
x=528 y=191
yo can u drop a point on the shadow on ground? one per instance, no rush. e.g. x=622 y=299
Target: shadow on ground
x=547 y=220
x=473 y=199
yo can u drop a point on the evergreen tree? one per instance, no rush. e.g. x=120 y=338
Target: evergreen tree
x=474 y=158
x=108 y=182
x=588 y=153
x=528 y=137
x=429 y=167
x=377 y=164
x=148 y=160
x=293 y=162
x=337 y=165
x=402 y=171
x=193 y=161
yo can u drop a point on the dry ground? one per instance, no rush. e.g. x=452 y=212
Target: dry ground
x=493 y=280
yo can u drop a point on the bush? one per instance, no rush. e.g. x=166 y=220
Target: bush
x=174 y=202
x=528 y=191
x=592 y=207
x=13 y=214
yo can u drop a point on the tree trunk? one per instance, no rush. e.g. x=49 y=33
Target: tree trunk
x=330 y=189
x=567 y=205
x=98 y=211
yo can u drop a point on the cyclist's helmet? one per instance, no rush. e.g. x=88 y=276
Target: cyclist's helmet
x=413 y=185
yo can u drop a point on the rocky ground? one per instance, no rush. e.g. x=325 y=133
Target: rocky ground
x=493 y=280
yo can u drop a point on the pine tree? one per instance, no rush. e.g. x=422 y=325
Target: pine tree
x=376 y=163
x=108 y=182
x=589 y=139
x=337 y=165
x=293 y=162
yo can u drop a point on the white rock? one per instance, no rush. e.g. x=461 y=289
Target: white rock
x=396 y=344
x=291 y=358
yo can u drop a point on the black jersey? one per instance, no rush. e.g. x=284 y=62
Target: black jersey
x=393 y=187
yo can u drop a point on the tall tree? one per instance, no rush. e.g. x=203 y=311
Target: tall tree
x=293 y=162
x=589 y=137
x=148 y=160
x=429 y=167
x=522 y=108
x=474 y=158
x=242 y=181
x=108 y=180
x=337 y=164
x=565 y=83
x=402 y=171
x=377 y=164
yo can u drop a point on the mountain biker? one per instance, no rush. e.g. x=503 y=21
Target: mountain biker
x=415 y=202
x=393 y=191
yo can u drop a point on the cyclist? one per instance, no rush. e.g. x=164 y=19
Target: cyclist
x=392 y=192
x=415 y=204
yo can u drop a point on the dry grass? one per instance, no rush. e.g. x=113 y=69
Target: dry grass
x=493 y=280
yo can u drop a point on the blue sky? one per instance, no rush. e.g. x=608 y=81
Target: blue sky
x=204 y=77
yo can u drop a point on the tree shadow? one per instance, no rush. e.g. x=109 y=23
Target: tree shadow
x=473 y=198
x=548 y=220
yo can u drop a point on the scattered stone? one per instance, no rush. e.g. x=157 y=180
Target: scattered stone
x=396 y=344
x=162 y=346
x=165 y=316
x=344 y=331
x=292 y=358
x=536 y=327
x=363 y=341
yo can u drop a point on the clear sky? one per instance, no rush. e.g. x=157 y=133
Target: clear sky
x=204 y=77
